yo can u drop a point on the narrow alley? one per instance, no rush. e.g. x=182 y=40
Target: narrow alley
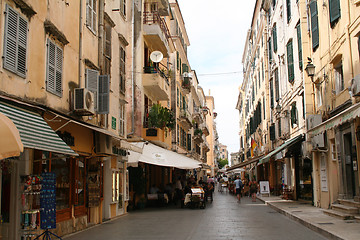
x=222 y=219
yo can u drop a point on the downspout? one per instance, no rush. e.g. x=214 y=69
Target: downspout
x=80 y=42
x=133 y=70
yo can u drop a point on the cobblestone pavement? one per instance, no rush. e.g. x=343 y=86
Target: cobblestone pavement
x=225 y=218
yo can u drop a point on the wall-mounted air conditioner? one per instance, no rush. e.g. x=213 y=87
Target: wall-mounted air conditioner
x=103 y=143
x=83 y=102
x=355 y=85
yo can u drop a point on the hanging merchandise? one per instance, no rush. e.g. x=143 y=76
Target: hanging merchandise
x=48 y=201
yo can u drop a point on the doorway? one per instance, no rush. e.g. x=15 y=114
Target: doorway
x=348 y=169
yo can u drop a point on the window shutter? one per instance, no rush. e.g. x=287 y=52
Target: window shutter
x=279 y=127
x=22 y=42
x=123 y=7
x=270 y=52
x=88 y=13
x=290 y=60
x=16 y=30
x=104 y=93
x=277 y=92
x=50 y=84
x=298 y=31
x=189 y=142
x=272 y=132
x=58 y=71
x=288 y=10
x=335 y=12
x=92 y=84
x=271 y=94
x=314 y=25
x=177 y=61
x=183 y=68
x=274 y=38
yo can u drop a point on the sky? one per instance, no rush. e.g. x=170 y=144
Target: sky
x=217 y=32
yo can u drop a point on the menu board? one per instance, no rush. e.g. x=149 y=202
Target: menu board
x=48 y=201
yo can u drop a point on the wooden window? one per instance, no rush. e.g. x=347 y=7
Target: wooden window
x=15 y=42
x=274 y=37
x=103 y=94
x=91 y=15
x=122 y=69
x=288 y=10
x=92 y=84
x=334 y=11
x=277 y=85
x=123 y=7
x=294 y=115
x=54 y=65
x=271 y=94
x=314 y=24
x=122 y=120
x=290 y=61
x=298 y=31
x=339 y=78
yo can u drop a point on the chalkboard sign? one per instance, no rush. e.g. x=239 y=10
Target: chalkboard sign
x=48 y=201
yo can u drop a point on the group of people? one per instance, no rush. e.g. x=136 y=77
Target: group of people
x=239 y=186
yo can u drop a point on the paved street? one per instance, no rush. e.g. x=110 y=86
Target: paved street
x=222 y=219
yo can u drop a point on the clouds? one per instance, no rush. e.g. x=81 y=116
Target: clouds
x=217 y=31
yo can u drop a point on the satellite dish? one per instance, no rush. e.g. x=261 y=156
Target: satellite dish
x=156 y=56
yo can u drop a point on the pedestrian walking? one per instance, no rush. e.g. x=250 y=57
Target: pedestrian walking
x=253 y=189
x=238 y=187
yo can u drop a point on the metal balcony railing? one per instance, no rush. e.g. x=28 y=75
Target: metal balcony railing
x=155 y=69
x=154 y=18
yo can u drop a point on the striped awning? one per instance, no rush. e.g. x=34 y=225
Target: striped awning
x=34 y=131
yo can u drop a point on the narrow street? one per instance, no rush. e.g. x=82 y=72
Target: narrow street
x=222 y=219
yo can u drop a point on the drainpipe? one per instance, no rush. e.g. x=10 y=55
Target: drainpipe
x=101 y=35
x=80 y=42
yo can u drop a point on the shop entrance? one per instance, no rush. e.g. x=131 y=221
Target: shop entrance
x=348 y=169
x=304 y=179
x=5 y=205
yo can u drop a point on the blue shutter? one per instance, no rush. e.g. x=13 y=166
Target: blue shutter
x=314 y=25
x=104 y=94
x=334 y=11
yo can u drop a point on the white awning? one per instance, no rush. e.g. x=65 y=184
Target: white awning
x=341 y=118
x=155 y=155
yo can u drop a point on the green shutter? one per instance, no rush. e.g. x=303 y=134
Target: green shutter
x=277 y=85
x=274 y=38
x=290 y=61
x=314 y=25
x=270 y=52
x=298 y=31
x=271 y=94
x=334 y=11
x=288 y=10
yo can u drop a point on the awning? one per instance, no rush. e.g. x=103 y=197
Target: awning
x=345 y=116
x=122 y=142
x=10 y=142
x=286 y=144
x=34 y=131
x=243 y=164
x=155 y=155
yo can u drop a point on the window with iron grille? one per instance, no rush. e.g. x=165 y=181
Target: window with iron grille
x=122 y=69
x=15 y=42
x=91 y=15
x=54 y=66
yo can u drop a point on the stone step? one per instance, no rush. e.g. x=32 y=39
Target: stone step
x=349 y=202
x=338 y=214
x=345 y=208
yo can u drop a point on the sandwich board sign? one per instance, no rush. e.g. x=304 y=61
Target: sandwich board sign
x=264 y=187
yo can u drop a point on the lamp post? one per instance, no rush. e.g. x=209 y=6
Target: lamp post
x=310 y=70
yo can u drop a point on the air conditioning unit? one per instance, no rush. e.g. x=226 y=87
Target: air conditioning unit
x=355 y=85
x=103 y=143
x=318 y=141
x=84 y=102
x=313 y=121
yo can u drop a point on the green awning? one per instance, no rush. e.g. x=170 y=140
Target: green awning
x=286 y=144
x=34 y=131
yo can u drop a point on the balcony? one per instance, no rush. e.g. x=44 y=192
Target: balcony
x=198 y=136
x=206 y=146
x=197 y=115
x=156 y=82
x=186 y=84
x=156 y=33
x=205 y=129
x=185 y=119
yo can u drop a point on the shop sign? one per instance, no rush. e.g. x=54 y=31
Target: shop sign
x=119 y=151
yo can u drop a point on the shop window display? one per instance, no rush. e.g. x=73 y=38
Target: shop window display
x=61 y=167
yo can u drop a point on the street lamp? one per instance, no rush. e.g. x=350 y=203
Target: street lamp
x=310 y=69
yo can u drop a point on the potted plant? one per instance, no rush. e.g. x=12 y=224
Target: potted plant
x=161 y=117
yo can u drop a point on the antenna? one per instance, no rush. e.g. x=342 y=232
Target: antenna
x=156 y=56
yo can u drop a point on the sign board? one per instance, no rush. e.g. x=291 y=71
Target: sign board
x=264 y=187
